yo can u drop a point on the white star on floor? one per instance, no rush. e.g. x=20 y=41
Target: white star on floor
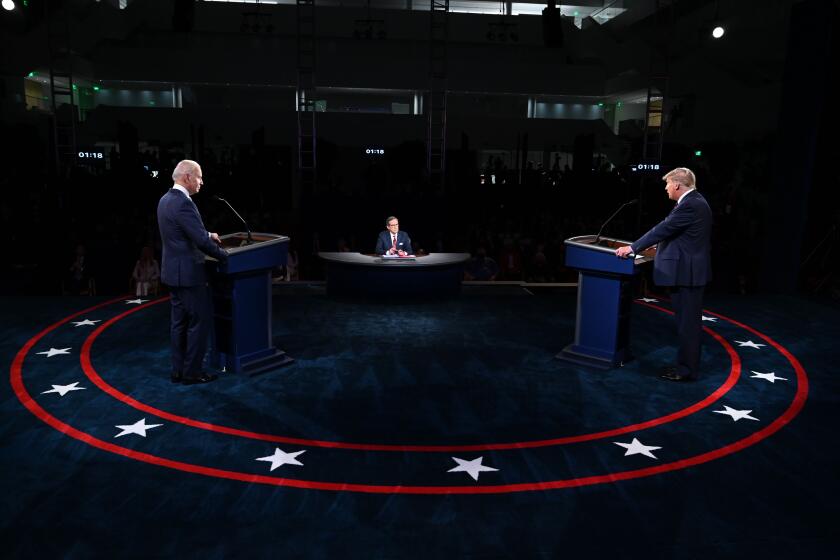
x=472 y=468
x=736 y=414
x=712 y=319
x=771 y=377
x=86 y=322
x=54 y=352
x=636 y=447
x=749 y=343
x=280 y=458
x=138 y=301
x=138 y=428
x=63 y=389
x=648 y=300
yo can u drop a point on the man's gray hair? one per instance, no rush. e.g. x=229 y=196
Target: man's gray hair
x=389 y=218
x=184 y=166
x=682 y=175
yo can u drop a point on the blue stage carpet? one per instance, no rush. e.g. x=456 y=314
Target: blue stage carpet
x=421 y=429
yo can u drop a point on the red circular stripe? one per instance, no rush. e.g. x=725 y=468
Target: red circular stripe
x=38 y=411
x=90 y=371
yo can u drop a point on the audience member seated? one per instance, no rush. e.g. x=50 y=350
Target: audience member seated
x=79 y=280
x=510 y=261
x=146 y=274
x=481 y=267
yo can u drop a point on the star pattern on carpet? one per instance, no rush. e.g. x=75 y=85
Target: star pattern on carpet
x=636 y=447
x=749 y=344
x=54 y=352
x=86 y=322
x=711 y=319
x=138 y=301
x=281 y=458
x=138 y=428
x=771 y=377
x=473 y=468
x=64 y=389
x=648 y=300
x=736 y=414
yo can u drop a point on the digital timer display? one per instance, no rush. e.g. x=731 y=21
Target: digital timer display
x=91 y=155
x=375 y=151
x=645 y=167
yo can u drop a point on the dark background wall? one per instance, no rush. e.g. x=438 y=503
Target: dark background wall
x=206 y=85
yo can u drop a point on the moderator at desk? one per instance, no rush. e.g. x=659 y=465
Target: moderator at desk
x=355 y=274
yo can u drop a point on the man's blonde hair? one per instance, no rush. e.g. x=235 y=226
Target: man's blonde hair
x=682 y=175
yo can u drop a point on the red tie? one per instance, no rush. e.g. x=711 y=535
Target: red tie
x=394 y=241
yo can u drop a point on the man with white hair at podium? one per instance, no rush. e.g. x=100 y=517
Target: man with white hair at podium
x=185 y=243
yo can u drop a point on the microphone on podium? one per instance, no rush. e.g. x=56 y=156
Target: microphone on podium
x=620 y=208
x=247 y=229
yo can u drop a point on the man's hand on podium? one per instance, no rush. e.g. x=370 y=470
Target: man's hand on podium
x=215 y=237
x=624 y=252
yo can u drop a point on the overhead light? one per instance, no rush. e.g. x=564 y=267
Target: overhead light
x=718 y=31
x=8 y=5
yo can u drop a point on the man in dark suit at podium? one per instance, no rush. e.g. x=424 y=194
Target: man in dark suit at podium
x=683 y=263
x=185 y=242
x=392 y=241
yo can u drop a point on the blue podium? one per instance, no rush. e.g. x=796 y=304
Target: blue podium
x=604 y=301
x=241 y=290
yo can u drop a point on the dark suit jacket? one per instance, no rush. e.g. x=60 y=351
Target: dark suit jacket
x=684 y=237
x=383 y=243
x=185 y=241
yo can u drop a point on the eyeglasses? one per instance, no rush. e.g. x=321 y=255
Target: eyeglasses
x=393 y=225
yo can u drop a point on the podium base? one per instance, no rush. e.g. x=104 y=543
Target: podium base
x=252 y=364
x=575 y=356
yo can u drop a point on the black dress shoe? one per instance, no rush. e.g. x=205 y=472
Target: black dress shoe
x=668 y=370
x=674 y=376
x=176 y=377
x=202 y=377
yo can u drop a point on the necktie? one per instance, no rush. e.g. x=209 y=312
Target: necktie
x=394 y=241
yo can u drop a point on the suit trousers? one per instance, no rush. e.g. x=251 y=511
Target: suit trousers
x=190 y=323
x=687 y=302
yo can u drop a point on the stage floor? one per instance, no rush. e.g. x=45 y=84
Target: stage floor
x=460 y=403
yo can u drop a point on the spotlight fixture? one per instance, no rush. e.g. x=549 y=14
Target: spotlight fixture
x=717 y=23
x=8 y=5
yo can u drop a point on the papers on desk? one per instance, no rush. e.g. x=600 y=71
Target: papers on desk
x=398 y=257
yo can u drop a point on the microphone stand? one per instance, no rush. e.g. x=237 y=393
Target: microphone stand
x=247 y=229
x=620 y=208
